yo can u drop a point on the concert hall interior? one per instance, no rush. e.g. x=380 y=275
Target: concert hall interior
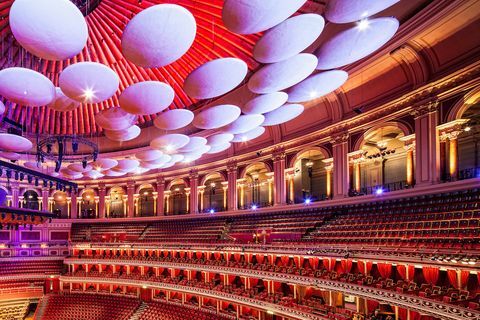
x=240 y=159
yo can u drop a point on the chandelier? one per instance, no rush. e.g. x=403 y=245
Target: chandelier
x=66 y=148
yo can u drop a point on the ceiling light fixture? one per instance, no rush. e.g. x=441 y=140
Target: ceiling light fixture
x=363 y=24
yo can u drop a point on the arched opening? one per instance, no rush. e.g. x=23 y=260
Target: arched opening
x=380 y=164
x=30 y=200
x=88 y=205
x=308 y=179
x=256 y=187
x=469 y=143
x=3 y=196
x=60 y=204
x=116 y=204
x=212 y=194
x=146 y=203
x=178 y=198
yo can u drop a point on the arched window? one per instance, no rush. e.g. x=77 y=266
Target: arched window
x=307 y=181
x=116 y=205
x=60 y=204
x=30 y=200
x=145 y=202
x=178 y=198
x=213 y=194
x=255 y=189
x=88 y=205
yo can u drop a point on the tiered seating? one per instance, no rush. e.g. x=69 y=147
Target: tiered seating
x=434 y=221
x=166 y=311
x=189 y=230
x=107 y=232
x=433 y=227
x=88 y=306
x=26 y=267
x=13 y=309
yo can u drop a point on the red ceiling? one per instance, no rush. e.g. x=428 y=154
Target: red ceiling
x=106 y=24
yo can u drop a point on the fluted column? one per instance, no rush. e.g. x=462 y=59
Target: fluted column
x=73 y=205
x=409 y=148
x=427 y=150
x=201 y=193
x=356 y=158
x=194 y=191
x=340 y=165
x=15 y=193
x=328 y=169
x=232 y=185
x=130 y=199
x=160 y=196
x=449 y=132
x=279 y=176
x=101 y=200
x=45 y=194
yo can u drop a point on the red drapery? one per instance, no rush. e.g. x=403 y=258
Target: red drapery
x=285 y=260
x=431 y=274
x=253 y=282
x=329 y=264
x=217 y=255
x=182 y=254
x=453 y=278
x=362 y=265
x=346 y=265
x=385 y=270
x=372 y=305
x=260 y=258
x=402 y=271
x=237 y=256
x=198 y=255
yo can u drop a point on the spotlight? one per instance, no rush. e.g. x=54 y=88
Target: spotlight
x=313 y=94
x=254 y=207
x=244 y=138
x=84 y=163
x=9 y=174
x=212 y=211
x=308 y=201
x=22 y=176
x=467 y=129
x=379 y=191
x=16 y=175
x=74 y=146
x=363 y=24
x=58 y=164
x=49 y=147
x=36 y=182
x=29 y=179
x=169 y=147
x=88 y=94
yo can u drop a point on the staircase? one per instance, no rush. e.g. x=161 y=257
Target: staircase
x=139 y=311
x=226 y=230
x=144 y=232
x=325 y=221
x=42 y=303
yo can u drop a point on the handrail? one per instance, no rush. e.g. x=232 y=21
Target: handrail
x=406 y=300
x=259 y=304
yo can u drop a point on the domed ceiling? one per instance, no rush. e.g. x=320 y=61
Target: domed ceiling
x=106 y=23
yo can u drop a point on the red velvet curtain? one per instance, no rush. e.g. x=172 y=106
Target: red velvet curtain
x=372 y=305
x=402 y=314
x=385 y=270
x=328 y=264
x=431 y=274
x=362 y=265
x=237 y=256
x=346 y=265
x=253 y=282
x=314 y=262
x=260 y=258
x=182 y=254
x=198 y=255
x=285 y=260
x=217 y=255
x=453 y=278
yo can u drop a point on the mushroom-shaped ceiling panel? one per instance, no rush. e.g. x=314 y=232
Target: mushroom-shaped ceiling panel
x=106 y=21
